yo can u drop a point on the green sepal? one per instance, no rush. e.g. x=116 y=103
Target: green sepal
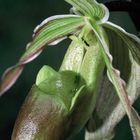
x=91 y=9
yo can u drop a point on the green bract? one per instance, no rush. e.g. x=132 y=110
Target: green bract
x=91 y=84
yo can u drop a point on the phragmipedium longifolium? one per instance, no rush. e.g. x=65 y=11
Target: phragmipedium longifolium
x=92 y=85
x=65 y=93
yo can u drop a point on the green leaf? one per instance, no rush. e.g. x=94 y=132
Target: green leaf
x=119 y=84
x=90 y=8
x=109 y=110
x=131 y=41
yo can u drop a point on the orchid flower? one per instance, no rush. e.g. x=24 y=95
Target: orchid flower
x=95 y=86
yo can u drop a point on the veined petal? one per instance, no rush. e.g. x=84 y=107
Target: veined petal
x=119 y=84
x=109 y=110
x=90 y=8
x=131 y=41
x=51 y=31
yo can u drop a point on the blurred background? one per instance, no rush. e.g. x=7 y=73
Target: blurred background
x=18 y=18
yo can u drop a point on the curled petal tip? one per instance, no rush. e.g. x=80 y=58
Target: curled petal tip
x=9 y=78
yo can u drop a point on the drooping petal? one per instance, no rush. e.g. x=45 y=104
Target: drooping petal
x=9 y=77
x=109 y=110
x=119 y=84
x=52 y=30
x=131 y=41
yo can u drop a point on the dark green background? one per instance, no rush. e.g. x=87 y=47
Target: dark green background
x=18 y=18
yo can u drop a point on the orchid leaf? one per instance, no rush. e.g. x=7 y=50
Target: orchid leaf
x=50 y=31
x=119 y=84
x=109 y=110
x=131 y=41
